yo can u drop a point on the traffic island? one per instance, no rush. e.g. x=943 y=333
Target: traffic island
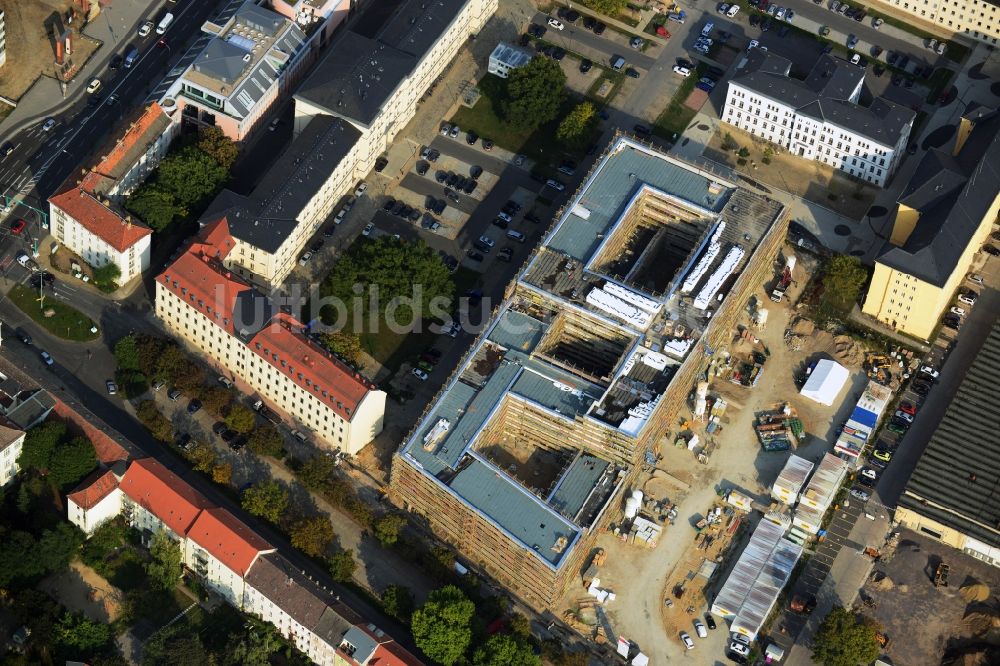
x=54 y=316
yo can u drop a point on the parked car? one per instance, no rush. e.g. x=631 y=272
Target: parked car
x=896 y=428
x=553 y=23
x=968 y=297
x=903 y=416
x=361 y=189
x=882 y=454
x=699 y=628
x=928 y=370
x=194 y=406
x=974 y=277
x=17 y=226
x=367 y=231
x=862 y=495
x=111 y=386
x=908 y=407
x=686 y=639
x=683 y=72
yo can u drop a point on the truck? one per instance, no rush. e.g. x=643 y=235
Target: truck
x=786 y=279
x=677 y=17
x=941 y=575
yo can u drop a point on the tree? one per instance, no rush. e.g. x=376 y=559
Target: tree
x=387 y=528
x=39 y=444
x=317 y=472
x=218 y=146
x=254 y=646
x=215 y=399
x=312 y=535
x=241 y=418
x=729 y=143
x=202 y=458
x=344 y=344
x=164 y=569
x=107 y=275
x=409 y=279
x=190 y=175
x=265 y=440
x=342 y=565
x=150 y=416
x=154 y=205
x=607 y=7
x=131 y=383
x=16 y=558
x=127 y=354
x=842 y=281
x=505 y=650
x=223 y=474
x=174 y=646
x=845 y=639
x=520 y=625
x=71 y=462
x=535 y=93
x=397 y=601
x=442 y=627
x=267 y=499
x=744 y=153
x=575 y=127
x=78 y=633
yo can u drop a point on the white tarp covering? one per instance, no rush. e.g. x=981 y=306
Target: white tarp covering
x=825 y=382
x=724 y=270
x=620 y=308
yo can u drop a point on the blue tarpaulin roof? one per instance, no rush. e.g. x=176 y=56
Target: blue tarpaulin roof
x=864 y=417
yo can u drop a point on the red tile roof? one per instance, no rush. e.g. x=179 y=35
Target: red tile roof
x=147 y=127
x=216 y=235
x=95 y=490
x=119 y=231
x=310 y=366
x=106 y=448
x=204 y=284
x=163 y=493
x=393 y=654
x=227 y=539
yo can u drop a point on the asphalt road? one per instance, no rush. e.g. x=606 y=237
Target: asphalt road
x=576 y=34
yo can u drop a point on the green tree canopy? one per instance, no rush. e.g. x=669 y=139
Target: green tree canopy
x=442 y=627
x=215 y=399
x=158 y=425
x=107 y=275
x=267 y=499
x=266 y=440
x=505 y=650
x=214 y=143
x=407 y=277
x=345 y=344
x=71 y=462
x=154 y=205
x=164 y=568
x=80 y=635
x=39 y=444
x=388 y=527
x=241 y=418
x=397 y=601
x=317 y=472
x=842 y=281
x=312 y=535
x=253 y=646
x=535 y=93
x=175 y=646
x=127 y=354
x=342 y=565
x=845 y=639
x=190 y=175
x=576 y=126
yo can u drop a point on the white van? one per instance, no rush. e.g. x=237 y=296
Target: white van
x=617 y=62
x=516 y=235
x=707 y=30
x=164 y=24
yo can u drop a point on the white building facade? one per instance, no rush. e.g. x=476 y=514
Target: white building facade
x=506 y=58
x=11 y=441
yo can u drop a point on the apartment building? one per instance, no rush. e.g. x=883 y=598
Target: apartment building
x=374 y=73
x=11 y=441
x=942 y=218
x=208 y=306
x=818 y=118
x=506 y=58
x=234 y=562
x=523 y=457
x=310 y=15
x=270 y=227
x=87 y=214
x=951 y=495
x=976 y=19
x=254 y=56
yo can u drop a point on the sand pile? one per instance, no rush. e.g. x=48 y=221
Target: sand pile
x=801 y=326
x=884 y=584
x=975 y=592
x=847 y=351
x=982 y=622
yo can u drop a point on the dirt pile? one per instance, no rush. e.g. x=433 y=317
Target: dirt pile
x=800 y=326
x=883 y=584
x=847 y=351
x=982 y=621
x=975 y=592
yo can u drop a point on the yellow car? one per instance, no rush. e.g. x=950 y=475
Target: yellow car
x=884 y=456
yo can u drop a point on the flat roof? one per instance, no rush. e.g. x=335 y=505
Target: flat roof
x=516 y=357
x=957 y=480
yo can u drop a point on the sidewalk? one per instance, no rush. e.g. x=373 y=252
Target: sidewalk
x=45 y=98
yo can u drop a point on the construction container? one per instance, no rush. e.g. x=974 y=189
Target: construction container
x=791 y=479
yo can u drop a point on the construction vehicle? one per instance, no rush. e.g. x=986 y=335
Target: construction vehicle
x=802 y=604
x=941 y=575
x=784 y=281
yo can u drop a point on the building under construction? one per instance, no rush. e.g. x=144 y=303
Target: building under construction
x=586 y=364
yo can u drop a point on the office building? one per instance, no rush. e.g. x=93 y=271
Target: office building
x=942 y=218
x=974 y=19
x=505 y=58
x=519 y=461
x=818 y=118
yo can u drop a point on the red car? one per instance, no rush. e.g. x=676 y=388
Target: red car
x=18 y=226
x=908 y=408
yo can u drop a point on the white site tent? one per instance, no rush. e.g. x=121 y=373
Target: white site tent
x=825 y=382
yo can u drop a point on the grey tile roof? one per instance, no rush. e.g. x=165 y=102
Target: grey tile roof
x=302 y=599
x=953 y=195
x=361 y=69
x=822 y=95
x=268 y=216
x=957 y=480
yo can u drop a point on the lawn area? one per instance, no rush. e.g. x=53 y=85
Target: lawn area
x=677 y=116
x=66 y=322
x=540 y=144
